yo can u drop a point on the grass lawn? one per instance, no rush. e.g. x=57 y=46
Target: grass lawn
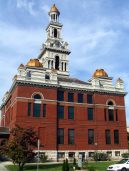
x=100 y=166
x=91 y=166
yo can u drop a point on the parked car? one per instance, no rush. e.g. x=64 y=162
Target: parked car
x=122 y=165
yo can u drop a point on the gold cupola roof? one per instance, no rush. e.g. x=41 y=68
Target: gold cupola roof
x=54 y=9
x=34 y=63
x=100 y=73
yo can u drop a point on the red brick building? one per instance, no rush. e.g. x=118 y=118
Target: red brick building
x=70 y=116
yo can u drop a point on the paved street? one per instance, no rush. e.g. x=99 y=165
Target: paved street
x=2 y=167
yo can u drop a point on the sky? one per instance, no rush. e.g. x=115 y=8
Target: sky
x=97 y=32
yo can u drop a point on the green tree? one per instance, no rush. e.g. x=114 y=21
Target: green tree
x=20 y=145
x=63 y=166
x=74 y=163
x=66 y=165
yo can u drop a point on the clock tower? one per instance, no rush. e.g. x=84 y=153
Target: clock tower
x=54 y=54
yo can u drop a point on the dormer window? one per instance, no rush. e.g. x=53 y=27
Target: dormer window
x=28 y=74
x=47 y=76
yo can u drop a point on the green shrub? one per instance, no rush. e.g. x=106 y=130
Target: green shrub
x=100 y=156
x=65 y=166
x=43 y=158
x=74 y=164
x=125 y=155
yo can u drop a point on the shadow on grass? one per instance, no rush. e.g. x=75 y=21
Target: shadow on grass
x=45 y=167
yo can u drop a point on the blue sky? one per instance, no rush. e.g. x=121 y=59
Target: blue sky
x=96 y=30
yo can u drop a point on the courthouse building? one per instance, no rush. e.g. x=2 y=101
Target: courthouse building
x=71 y=116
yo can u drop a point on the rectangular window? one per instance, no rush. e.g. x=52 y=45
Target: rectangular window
x=60 y=136
x=90 y=114
x=70 y=136
x=117 y=153
x=116 y=137
x=90 y=136
x=80 y=98
x=60 y=96
x=44 y=110
x=61 y=155
x=116 y=114
x=107 y=136
x=111 y=114
x=105 y=114
x=29 y=109
x=70 y=112
x=60 y=112
x=71 y=154
x=109 y=153
x=70 y=97
x=36 y=111
x=89 y=98
x=91 y=154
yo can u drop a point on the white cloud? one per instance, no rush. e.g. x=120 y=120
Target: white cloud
x=45 y=8
x=16 y=46
x=20 y=40
x=26 y=5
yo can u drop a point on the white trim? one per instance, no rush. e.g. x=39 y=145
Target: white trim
x=52 y=154
x=32 y=96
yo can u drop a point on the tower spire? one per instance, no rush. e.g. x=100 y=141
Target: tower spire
x=55 y=50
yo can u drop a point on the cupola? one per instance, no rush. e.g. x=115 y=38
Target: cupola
x=54 y=13
x=100 y=73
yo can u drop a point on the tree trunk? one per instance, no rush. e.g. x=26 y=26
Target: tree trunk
x=21 y=167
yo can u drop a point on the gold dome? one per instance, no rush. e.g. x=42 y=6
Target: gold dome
x=100 y=73
x=54 y=9
x=34 y=63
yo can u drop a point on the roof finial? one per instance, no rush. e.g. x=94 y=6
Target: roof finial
x=54 y=9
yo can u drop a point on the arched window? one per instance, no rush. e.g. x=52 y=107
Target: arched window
x=57 y=62
x=110 y=103
x=62 y=66
x=37 y=97
x=52 y=64
x=110 y=111
x=49 y=64
x=65 y=66
x=37 y=105
x=55 y=32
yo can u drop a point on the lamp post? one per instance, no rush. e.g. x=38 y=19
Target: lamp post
x=38 y=155
x=96 y=145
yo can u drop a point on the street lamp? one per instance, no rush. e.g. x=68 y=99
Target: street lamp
x=38 y=155
x=96 y=145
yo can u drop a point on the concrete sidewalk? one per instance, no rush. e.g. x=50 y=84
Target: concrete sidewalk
x=2 y=167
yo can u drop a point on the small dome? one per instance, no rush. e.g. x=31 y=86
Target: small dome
x=34 y=63
x=119 y=80
x=100 y=73
x=54 y=9
x=21 y=66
